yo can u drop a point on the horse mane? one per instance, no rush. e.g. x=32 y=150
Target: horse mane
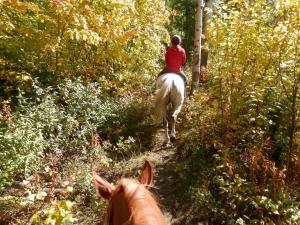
x=142 y=204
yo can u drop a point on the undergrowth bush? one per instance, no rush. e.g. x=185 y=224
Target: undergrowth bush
x=70 y=119
x=225 y=191
x=235 y=179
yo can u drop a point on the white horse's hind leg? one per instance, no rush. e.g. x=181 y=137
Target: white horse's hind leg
x=173 y=123
x=173 y=131
x=167 y=140
x=174 y=116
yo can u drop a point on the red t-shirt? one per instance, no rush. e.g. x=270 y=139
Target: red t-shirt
x=175 y=58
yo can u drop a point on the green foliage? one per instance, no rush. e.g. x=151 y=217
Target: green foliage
x=182 y=22
x=244 y=125
x=235 y=180
x=228 y=189
x=107 y=40
x=60 y=212
x=234 y=198
x=59 y=122
x=254 y=77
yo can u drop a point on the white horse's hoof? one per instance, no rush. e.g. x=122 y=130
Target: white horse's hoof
x=167 y=144
x=173 y=139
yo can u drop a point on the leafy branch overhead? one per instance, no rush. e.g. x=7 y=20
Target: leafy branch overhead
x=86 y=38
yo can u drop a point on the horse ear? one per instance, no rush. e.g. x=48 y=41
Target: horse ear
x=146 y=177
x=104 y=188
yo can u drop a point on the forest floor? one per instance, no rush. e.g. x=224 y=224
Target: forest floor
x=168 y=186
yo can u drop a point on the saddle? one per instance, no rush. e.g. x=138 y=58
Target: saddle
x=181 y=74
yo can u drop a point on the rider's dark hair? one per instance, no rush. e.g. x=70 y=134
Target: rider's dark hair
x=176 y=40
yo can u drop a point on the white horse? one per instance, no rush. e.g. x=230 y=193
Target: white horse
x=170 y=91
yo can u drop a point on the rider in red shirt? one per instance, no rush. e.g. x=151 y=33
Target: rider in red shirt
x=175 y=58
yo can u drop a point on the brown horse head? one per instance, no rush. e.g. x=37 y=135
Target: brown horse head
x=130 y=202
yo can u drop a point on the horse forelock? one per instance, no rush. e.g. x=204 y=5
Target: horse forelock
x=140 y=202
x=109 y=210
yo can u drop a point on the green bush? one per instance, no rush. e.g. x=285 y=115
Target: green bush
x=235 y=179
x=234 y=199
x=57 y=122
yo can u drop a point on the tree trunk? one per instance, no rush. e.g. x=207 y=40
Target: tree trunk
x=293 y=129
x=204 y=50
x=197 y=47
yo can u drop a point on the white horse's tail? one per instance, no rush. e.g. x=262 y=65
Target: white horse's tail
x=162 y=98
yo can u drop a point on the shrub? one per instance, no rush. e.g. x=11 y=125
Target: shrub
x=60 y=121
